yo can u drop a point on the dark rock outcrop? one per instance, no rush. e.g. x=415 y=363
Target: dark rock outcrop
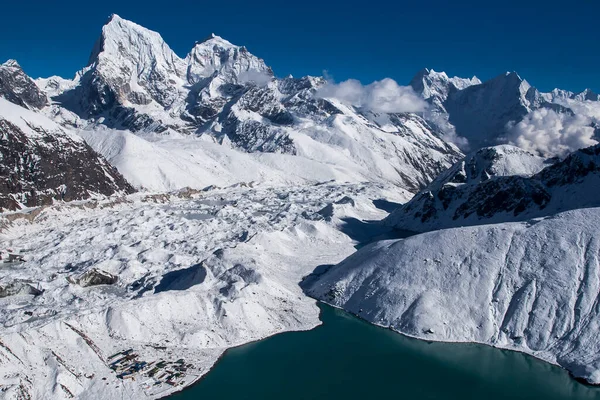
x=94 y=277
x=18 y=88
x=42 y=163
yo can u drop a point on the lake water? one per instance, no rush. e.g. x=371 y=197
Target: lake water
x=347 y=358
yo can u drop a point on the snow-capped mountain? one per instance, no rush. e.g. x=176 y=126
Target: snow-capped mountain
x=559 y=94
x=221 y=93
x=18 y=88
x=501 y=184
x=43 y=162
x=435 y=87
x=284 y=165
x=475 y=114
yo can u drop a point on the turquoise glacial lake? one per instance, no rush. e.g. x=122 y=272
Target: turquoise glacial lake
x=347 y=358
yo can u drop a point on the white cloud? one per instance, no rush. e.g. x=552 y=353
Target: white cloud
x=588 y=108
x=448 y=130
x=552 y=134
x=384 y=96
x=259 y=78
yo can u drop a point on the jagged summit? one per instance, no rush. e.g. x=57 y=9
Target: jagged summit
x=18 y=88
x=11 y=63
x=112 y=17
x=436 y=86
x=132 y=42
x=216 y=54
x=213 y=37
x=587 y=94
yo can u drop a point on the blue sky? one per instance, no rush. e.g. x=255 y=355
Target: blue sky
x=549 y=43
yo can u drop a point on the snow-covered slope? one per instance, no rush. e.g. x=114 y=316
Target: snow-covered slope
x=195 y=274
x=528 y=286
x=469 y=195
x=43 y=162
x=167 y=163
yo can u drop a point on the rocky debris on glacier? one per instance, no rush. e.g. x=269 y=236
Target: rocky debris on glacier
x=198 y=272
x=43 y=162
x=17 y=288
x=94 y=277
x=527 y=286
x=500 y=184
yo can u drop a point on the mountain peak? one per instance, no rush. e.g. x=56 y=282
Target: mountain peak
x=11 y=64
x=113 y=17
x=215 y=54
x=214 y=39
x=430 y=83
x=125 y=42
x=587 y=94
x=512 y=79
x=513 y=76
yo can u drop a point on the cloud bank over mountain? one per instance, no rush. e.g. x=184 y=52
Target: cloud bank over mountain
x=552 y=134
x=384 y=96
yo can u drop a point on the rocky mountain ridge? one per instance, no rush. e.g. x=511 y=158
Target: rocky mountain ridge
x=501 y=184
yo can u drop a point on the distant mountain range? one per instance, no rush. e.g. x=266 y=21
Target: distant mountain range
x=148 y=111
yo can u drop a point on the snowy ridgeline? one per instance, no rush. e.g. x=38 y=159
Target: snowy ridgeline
x=502 y=184
x=175 y=280
x=529 y=286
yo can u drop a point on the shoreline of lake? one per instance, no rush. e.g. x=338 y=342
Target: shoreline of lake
x=333 y=339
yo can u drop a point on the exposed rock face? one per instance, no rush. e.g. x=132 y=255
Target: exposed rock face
x=490 y=162
x=472 y=196
x=480 y=112
x=18 y=288
x=43 y=162
x=18 y=88
x=95 y=277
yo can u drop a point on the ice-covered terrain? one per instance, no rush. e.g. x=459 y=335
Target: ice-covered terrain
x=528 y=286
x=195 y=272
